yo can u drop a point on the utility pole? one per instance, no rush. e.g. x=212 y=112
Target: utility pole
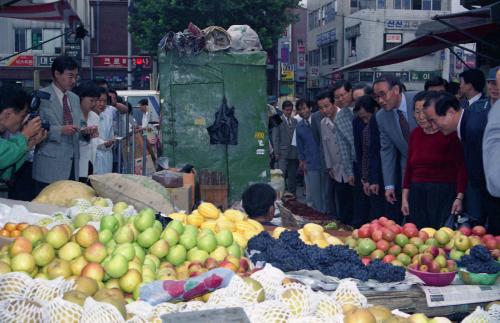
x=129 y=49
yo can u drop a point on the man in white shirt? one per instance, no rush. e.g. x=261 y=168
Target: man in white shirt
x=146 y=113
x=472 y=83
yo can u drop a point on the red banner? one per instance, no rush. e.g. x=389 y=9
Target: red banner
x=120 y=61
x=19 y=61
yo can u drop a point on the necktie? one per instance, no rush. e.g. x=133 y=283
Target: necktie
x=307 y=122
x=405 y=128
x=67 y=117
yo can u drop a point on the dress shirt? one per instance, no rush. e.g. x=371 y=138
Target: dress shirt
x=458 y=126
x=60 y=95
x=474 y=98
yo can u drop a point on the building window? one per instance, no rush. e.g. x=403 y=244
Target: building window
x=381 y=4
x=54 y=46
x=352 y=47
x=315 y=18
x=20 y=41
x=36 y=38
x=417 y=4
x=313 y=57
x=329 y=54
x=329 y=12
x=367 y=4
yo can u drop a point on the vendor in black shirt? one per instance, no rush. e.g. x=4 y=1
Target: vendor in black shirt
x=258 y=202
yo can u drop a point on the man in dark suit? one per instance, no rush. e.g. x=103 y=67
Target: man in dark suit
x=284 y=152
x=395 y=122
x=444 y=112
x=472 y=83
x=57 y=157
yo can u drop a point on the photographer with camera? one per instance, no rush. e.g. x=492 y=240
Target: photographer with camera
x=57 y=158
x=22 y=137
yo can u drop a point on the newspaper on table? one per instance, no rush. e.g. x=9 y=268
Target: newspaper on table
x=460 y=294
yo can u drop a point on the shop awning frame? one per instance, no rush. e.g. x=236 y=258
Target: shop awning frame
x=446 y=31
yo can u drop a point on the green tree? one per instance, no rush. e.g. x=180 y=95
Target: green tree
x=151 y=19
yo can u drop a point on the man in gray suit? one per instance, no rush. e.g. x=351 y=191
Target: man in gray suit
x=285 y=153
x=56 y=158
x=491 y=140
x=395 y=121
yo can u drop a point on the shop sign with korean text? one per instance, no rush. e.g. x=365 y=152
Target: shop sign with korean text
x=119 y=61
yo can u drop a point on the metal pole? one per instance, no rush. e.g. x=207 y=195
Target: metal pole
x=129 y=51
x=120 y=134
x=144 y=151
x=132 y=152
x=125 y=167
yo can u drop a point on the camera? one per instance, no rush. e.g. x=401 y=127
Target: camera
x=34 y=108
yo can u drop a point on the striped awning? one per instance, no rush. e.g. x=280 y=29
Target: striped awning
x=57 y=11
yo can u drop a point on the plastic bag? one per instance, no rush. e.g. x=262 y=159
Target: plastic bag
x=216 y=38
x=244 y=38
x=224 y=130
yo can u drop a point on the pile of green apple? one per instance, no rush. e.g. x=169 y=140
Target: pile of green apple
x=123 y=253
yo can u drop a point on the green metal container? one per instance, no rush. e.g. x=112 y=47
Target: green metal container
x=191 y=91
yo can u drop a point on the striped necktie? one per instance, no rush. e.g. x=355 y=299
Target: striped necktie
x=403 y=123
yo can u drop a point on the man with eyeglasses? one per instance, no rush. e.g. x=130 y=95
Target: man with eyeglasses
x=56 y=158
x=395 y=121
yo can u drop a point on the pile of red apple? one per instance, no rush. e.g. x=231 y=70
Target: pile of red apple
x=403 y=245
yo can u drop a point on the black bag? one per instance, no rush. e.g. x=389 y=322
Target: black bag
x=224 y=130
x=457 y=221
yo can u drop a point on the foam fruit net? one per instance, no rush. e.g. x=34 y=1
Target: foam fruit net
x=23 y=299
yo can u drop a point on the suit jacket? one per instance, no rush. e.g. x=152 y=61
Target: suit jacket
x=392 y=142
x=307 y=147
x=472 y=128
x=357 y=129
x=491 y=150
x=375 y=163
x=316 y=118
x=55 y=156
x=282 y=139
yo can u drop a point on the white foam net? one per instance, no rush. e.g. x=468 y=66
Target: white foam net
x=270 y=278
x=60 y=310
x=307 y=319
x=99 y=312
x=14 y=285
x=270 y=311
x=494 y=313
x=20 y=310
x=139 y=309
x=326 y=307
x=43 y=291
x=298 y=299
x=163 y=308
x=348 y=293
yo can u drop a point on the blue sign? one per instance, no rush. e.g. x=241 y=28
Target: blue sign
x=326 y=37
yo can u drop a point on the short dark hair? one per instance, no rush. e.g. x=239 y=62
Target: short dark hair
x=341 y=84
x=14 y=97
x=143 y=102
x=63 y=63
x=101 y=82
x=453 y=88
x=475 y=77
x=102 y=90
x=442 y=102
x=391 y=80
x=112 y=91
x=87 y=89
x=257 y=199
x=301 y=102
x=324 y=95
x=285 y=104
x=435 y=81
x=367 y=103
x=420 y=96
x=365 y=87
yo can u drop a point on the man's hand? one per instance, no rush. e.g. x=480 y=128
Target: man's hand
x=331 y=173
x=32 y=128
x=350 y=180
x=456 y=208
x=303 y=166
x=38 y=138
x=366 y=188
x=92 y=131
x=405 y=207
x=374 y=188
x=390 y=196
x=277 y=156
x=69 y=130
x=109 y=143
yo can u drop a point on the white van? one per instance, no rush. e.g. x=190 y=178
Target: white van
x=134 y=96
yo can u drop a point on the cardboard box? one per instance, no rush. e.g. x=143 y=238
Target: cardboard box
x=182 y=198
x=188 y=179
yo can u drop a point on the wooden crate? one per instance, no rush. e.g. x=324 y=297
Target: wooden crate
x=215 y=194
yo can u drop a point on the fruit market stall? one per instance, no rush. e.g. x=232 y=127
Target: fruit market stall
x=106 y=260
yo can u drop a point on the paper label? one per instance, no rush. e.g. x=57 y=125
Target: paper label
x=460 y=294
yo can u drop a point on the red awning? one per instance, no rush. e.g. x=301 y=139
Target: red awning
x=433 y=36
x=57 y=11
